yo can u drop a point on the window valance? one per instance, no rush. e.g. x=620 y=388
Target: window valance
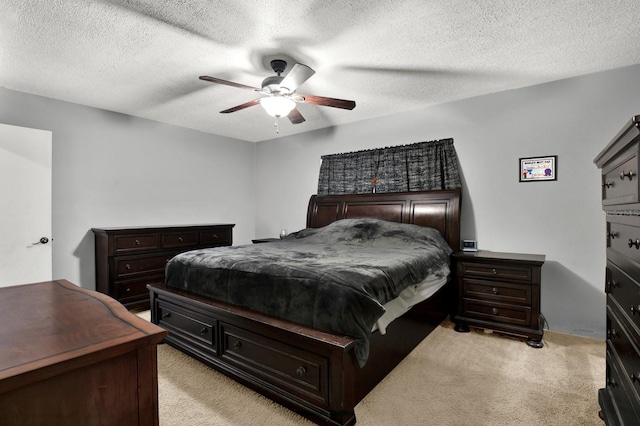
x=422 y=166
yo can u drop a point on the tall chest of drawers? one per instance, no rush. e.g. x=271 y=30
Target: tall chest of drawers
x=127 y=259
x=620 y=398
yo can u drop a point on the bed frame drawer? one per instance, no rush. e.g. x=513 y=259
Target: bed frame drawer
x=302 y=373
x=187 y=325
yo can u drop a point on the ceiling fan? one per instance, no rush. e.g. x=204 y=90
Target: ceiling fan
x=281 y=93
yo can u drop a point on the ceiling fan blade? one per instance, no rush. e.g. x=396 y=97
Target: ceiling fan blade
x=295 y=117
x=294 y=78
x=330 y=102
x=243 y=106
x=227 y=83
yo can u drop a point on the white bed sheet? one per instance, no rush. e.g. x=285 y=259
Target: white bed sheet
x=410 y=296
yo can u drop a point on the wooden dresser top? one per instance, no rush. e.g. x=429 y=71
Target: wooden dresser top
x=55 y=326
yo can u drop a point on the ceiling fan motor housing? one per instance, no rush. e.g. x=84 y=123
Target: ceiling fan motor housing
x=272 y=84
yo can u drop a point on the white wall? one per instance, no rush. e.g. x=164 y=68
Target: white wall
x=573 y=118
x=116 y=170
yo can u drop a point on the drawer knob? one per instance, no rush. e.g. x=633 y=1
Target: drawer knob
x=127 y=267
x=301 y=371
x=612 y=235
x=215 y=236
x=237 y=345
x=629 y=174
x=128 y=290
x=136 y=242
x=203 y=331
x=610 y=382
x=607 y=184
x=494 y=311
x=610 y=286
x=180 y=239
x=634 y=243
x=635 y=377
x=634 y=309
x=494 y=271
x=494 y=290
x=612 y=333
x=166 y=315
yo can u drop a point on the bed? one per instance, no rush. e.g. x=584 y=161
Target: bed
x=321 y=374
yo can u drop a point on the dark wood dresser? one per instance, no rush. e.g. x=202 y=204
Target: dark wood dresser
x=127 y=259
x=71 y=356
x=500 y=291
x=619 y=399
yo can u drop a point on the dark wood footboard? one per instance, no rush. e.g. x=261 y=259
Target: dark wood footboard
x=308 y=371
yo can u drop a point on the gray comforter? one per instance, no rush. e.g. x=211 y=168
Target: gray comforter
x=334 y=278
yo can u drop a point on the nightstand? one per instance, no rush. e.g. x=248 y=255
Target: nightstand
x=501 y=292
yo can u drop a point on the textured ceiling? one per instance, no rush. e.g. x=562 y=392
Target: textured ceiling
x=144 y=57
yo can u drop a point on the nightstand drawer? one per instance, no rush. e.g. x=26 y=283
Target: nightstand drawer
x=497 y=291
x=495 y=271
x=136 y=242
x=497 y=312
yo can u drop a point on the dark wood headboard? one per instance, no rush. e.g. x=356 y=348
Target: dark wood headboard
x=436 y=209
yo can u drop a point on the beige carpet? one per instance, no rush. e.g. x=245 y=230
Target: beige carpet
x=449 y=379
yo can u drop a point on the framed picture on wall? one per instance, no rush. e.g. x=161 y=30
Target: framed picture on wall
x=536 y=169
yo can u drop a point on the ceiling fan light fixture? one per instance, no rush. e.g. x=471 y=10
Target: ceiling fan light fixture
x=277 y=106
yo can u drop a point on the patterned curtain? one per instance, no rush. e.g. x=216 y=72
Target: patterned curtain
x=422 y=166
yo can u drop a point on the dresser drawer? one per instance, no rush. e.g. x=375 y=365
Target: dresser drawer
x=617 y=186
x=130 y=290
x=135 y=242
x=179 y=239
x=501 y=272
x=184 y=324
x=622 y=393
x=131 y=266
x=624 y=291
x=497 y=312
x=625 y=239
x=625 y=346
x=216 y=237
x=497 y=291
x=303 y=373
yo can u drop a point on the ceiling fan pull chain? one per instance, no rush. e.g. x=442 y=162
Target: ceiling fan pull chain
x=275 y=124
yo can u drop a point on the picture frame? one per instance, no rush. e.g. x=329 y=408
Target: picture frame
x=537 y=169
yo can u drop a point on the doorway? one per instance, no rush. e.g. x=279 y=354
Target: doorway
x=25 y=205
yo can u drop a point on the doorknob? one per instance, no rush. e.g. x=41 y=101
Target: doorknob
x=43 y=240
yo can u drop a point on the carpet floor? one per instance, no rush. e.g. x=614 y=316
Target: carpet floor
x=451 y=378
